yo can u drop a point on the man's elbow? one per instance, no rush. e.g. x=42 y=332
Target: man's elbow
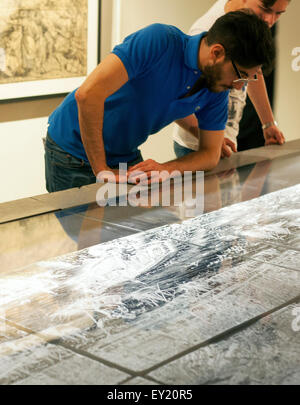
x=87 y=98
x=214 y=159
x=81 y=95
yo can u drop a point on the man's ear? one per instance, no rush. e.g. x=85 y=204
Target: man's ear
x=217 y=53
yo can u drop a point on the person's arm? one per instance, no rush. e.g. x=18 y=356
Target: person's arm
x=189 y=124
x=205 y=159
x=229 y=145
x=105 y=80
x=258 y=94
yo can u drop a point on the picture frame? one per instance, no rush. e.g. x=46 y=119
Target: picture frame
x=57 y=47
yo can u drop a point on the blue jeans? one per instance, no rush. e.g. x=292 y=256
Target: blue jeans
x=64 y=171
x=181 y=151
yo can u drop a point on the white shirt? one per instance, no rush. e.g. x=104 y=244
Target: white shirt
x=237 y=98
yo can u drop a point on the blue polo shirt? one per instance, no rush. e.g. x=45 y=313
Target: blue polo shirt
x=162 y=65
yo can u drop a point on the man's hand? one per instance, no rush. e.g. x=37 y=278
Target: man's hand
x=273 y=136
x=148 y=172
x=227 y=148
x=112 y=176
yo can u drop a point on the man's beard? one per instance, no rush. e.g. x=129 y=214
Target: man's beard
x=212 y=75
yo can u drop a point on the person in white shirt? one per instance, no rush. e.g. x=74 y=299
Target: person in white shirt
x=186 y=133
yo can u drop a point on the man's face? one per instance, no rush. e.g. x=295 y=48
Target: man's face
x=271 y=14
x=221 y=76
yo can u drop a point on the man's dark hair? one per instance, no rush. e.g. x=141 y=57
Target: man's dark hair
x=247 y=39
x=270 y=3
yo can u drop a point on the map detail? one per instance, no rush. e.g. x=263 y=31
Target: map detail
x=42 y=39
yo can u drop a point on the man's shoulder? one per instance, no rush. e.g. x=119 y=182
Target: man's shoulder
x=142 y=50
x=161 y=29
x=159 y=36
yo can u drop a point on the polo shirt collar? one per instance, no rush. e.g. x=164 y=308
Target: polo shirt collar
x=192 y=50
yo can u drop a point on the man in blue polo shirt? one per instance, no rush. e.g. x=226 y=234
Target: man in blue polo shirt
x=156 y=76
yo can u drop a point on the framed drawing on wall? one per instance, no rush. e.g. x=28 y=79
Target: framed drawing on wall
x=47 y=47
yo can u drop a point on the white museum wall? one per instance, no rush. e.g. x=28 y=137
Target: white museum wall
x=22 y=125
x=22 y=158
x=287 y=95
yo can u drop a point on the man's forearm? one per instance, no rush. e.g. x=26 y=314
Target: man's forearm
x=91 y=124
x=258 y=94
x=206 y=158
x=196 y=161
x=259 y=97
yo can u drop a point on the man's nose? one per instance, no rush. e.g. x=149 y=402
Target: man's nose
x=269 y=19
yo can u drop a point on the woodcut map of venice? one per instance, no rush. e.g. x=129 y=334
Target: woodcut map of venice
x=42 y=39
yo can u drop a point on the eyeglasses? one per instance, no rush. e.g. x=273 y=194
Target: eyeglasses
x=240 y=78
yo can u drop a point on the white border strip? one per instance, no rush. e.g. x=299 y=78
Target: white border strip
x=65 y=85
